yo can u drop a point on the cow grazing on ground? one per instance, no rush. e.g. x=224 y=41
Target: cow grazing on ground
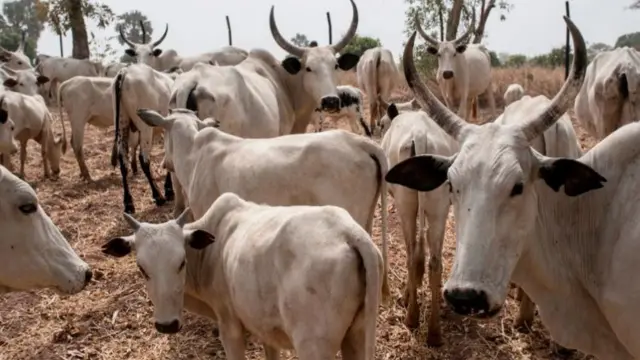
x=16 y=60
x=33 y=252
x=278 y=96
x=610 y=94
x=138 y=86
x=513 y=93
x=464 y=71
x=572 y=252
x=271 y=179
x=59 y=70
x=22 y=81
x=31 y=119
x=161 y=60
x=313 y=286
x=350 y=108
x=377 y=76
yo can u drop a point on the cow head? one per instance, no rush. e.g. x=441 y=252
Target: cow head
x=33 y=252
x=25 y=81
x=447 y=51
x=16 y=60
x=145 y=53
x=7 y=127
x=162 y=260
x=317 y=66
x=392 y=110
x=493 y=184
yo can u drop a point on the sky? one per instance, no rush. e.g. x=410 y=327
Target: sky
x=195 y=26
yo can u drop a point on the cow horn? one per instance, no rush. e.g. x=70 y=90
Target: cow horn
x=350 y=33
x=280 y=40
x=565 y=97
x=124 y=38
x=427 y=38
x=472 y=28
x=159 y=41
x=135 y=225
x=184 y=217
x=451 y=123
x=144 y=32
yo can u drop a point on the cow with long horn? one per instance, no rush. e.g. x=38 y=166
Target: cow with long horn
x=464 y=70
x=16 y=60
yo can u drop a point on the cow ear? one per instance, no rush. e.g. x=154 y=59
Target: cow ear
x=422 y=172
x=461 y=48
x=292 y=65
x=199 y=239
x=392 y=111
x=42 y=79
x=157 y=52
x=10 y=82
x=577 y=178
x=415 y=105
x=348 y=61
x=432 y=50
x=119 y=246
x=130 y=52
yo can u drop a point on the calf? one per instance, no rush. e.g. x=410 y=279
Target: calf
x=513 y=93
x=32 y=120
x=350 y=107
x=33 y=252
x=22 y=81
x=297 y=277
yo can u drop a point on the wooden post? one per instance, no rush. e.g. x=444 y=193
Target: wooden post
x=567 y=49
x=229 y=31
x=330 y=31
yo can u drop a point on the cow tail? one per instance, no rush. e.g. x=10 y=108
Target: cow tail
x=419 y=147
x=64 y=131
x=374 y=91
x=117 y=93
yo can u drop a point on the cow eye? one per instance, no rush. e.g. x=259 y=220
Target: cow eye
x=143 y=272
x=28 y=208
x=517 y=189
x=308 y=69
x=184 y=262
x=19 y=62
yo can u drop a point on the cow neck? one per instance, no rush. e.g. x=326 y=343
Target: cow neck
x=184 y=146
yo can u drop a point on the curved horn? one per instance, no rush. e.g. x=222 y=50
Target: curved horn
x=159 y=41
x=184 y=217
x=124 y=38
x=470 y=30
x=280 y=40
x=350 y=33
x=144 y=32
x=427 y=38
x=445 y=118
x=135 y=225
x=565 y=97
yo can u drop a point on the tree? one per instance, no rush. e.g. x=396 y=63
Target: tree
x=596 y=48
x=130 y=24
x=10 y=40
x=21 y=15
x=64 y=15
x=300 y=40
x=631 y=40
x=495 y=61
x=360 y=44
x=555 y=58
x=635 y=5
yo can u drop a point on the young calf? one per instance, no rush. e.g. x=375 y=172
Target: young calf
x=307 y=278
x=350 y=107
x=32 y=120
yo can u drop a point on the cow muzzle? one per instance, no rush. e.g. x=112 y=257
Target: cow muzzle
x=470 y=302
x=447 y=74
x=330 y=104
x=168 y=328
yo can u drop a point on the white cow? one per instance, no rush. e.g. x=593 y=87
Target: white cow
x=610 y=94
x=22 y=81
x=59 y=70
x=572 y=252
x=16 y=60
x=282 y=94
x=377 y=76
x=464 y=71
x=297 y=277
x=33 y=252
x=161 y=60
x=350 y=108
x=112 y=69
x=275 y=177
x=138 y=86
x=31 y=119
x=513 y=93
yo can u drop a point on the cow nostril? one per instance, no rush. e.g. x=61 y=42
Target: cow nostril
x=467 y=301
x=88 y=275
x=447 y=74
x=170 y=328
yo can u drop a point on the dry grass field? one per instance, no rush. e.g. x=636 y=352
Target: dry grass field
x=112 y=318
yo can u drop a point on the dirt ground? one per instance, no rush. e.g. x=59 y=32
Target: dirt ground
x=112 y=318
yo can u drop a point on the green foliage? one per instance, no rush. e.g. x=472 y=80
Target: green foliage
x=516 y=60
x=19 y=15
x=101 y=49
x=360 y=44
x=10 y=40
x=56 y=13
x=630 y=40
x=495 y=61
x=555 y=58
x=596 y=48
x=635 y=5
x=300 y=40
x=130 y=24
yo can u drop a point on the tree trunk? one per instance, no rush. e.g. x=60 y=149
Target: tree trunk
x=78 y=30
x=484 y=15
x=454 y=20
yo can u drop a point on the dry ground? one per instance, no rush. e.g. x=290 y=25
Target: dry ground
x=112 y=318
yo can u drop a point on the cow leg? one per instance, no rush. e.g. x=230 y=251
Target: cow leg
x=45 y=159
x=179 y=204
x=527 y=311
x=77 y=140
x=232 y=338
x=134 y=142
x=373 y=112
x=169 y=195
x=122 y=152
x=23 y=158
x=271 y=353
x=407 y=206
x=492 y=100
x=462 y=107
x=353 y=344
x=146 y=136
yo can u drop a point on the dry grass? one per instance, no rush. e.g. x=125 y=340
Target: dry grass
x=112 y=318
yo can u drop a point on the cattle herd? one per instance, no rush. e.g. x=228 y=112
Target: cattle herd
x=293 y=262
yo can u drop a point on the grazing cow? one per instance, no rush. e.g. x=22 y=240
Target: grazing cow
x=350 y=107
x=513 y=93
x=572 y=253
x=33 y=252
x=281 y=94
x=138 y=86
x=32 y=120
x=59 y=70
x=377 y=76
x=464 y=71
x=22 y=81
x=165 y=60
x=16 y=60
x=269 y=179
x=306 y=278
x=610 y=94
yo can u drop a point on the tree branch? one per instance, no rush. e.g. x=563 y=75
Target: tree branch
x=485 y=11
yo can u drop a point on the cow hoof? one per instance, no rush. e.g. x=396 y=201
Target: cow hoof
x=562 y=351
x=434 y=339
x=412 y=321
x=160 y=201
x=129 y=209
